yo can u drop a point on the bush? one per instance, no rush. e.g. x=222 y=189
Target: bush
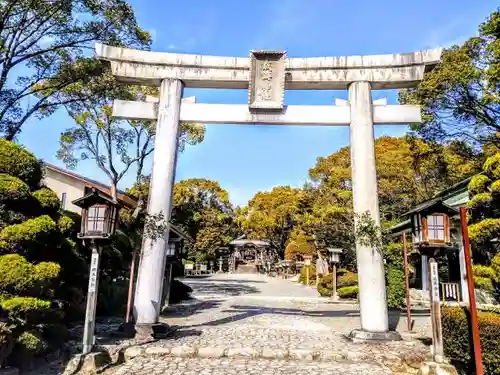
x=395 y=288
x=65 y=223
x=347 y=279
x=325 y=286
x=6 y=342
x=17 y=275
x=24 y=311
x=14 y=235
x=31 y=343
x=458 y=341
x=16 y=161
x=483 y=283
x=482 y=271
x=47 y=198
x=350 y=292
x=479 y=184
x=495 y=266
x=12 y=188
x=312 y=274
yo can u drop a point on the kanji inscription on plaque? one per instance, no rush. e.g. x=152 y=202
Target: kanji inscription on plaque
x=267 y=80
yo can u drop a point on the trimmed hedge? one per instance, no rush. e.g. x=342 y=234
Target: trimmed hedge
x=12 y=188
x=12 y=235
x=47 y=198
x=458 y=340
x=17 y=275
x=6 y=342
x=16 y=161
x=395 y=287
x=350 y=292
x=348 y=278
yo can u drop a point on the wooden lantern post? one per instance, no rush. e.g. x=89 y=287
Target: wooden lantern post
x=99 y=214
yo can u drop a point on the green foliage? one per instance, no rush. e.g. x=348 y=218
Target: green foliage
x=26 y=311
x=480 y=201
x=12 y=188
x=47 y=198
x=348 y=292
x=325 y=286
x=18 y=276
x=458 y=341
x=312 y=274
x=495 y=266
x=13 y=236
x=31 y=343
x=479 y=270
x=460 y=96
x=18 y=162
x=484 y=230
x=395 y=288
x=6 y=342
x=347 y=279
x=479 y=184
x=65 y=223
x=51 y=39
x=483 y=283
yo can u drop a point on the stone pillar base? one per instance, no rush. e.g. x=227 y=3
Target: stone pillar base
x=433 y=368
x=87 y=364
x=360 y=336
x=152 y=331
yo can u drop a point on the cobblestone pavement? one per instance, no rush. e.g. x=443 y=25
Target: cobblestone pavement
x=244 y=320
x=179 y=366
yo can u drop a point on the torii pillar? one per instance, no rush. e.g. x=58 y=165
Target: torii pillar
x=266 y=74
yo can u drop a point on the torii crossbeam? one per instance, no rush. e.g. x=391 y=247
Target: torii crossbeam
x=267 y=74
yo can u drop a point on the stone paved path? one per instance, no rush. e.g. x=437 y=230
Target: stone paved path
x=252 y=324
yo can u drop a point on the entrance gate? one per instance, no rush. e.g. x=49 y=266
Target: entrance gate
x=267 y=74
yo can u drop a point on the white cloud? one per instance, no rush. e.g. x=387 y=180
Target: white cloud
x=172 y=46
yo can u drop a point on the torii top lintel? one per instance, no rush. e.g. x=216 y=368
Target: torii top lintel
x=390 y=71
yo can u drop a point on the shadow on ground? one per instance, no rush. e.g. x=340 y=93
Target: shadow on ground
x=229 y=288
x=241 y=312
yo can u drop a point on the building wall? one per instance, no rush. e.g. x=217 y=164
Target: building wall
x=63 y=184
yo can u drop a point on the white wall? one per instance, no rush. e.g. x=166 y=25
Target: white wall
x=61 y=183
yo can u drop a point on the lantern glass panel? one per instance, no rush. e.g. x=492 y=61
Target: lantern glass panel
x=97 y=219
x=436 y=227
x=171 y=249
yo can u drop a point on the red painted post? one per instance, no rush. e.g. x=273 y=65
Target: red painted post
x=407 y=284
x=472 y=295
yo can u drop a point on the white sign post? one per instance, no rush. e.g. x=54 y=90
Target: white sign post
x=89 y=327
x=437 y=334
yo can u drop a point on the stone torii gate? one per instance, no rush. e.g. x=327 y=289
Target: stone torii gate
x=266 y=75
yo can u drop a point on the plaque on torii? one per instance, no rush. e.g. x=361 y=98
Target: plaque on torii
x=266 y=89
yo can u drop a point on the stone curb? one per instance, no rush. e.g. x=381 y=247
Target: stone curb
x=389 y=360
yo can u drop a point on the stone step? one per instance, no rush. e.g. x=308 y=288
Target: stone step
x=250 y=366
x=404 y=362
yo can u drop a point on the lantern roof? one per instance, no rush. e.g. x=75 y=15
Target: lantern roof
x=435 y=205
x=94 y=196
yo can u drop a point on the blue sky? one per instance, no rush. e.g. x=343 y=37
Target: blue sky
x=247 y=159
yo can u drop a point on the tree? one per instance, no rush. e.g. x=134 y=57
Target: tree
x=37 y=254
x=460 y=98
x=52 y=42
x=271 y=215
x=484 y=213
x=110 y=142
x=202 y=208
